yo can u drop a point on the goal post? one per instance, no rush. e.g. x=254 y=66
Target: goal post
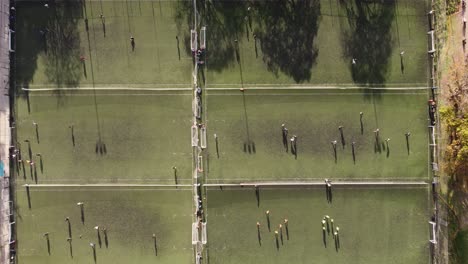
x=194 y=233
x=193 y=40
x=433 y=239
x=203 y=38
x=203 y=137
x=194 y=136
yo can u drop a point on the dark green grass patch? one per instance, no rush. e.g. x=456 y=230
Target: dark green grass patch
x=314 y=43
x=51 y=43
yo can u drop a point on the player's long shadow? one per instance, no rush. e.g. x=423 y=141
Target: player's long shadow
x=238 y=58
x=407 y=145
x=259 y=237
x=249 y=145
x=99 y=145
x=257 y=195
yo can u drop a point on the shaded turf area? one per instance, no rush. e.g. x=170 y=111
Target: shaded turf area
x=265 y=43
x=461 y=250
x=142 y=135
x=376 y=226
x=52 y=41
x=129 y=216
x=250 y=146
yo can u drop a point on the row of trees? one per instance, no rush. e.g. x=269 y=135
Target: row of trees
x=455 y=116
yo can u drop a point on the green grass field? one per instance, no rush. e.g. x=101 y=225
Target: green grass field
x=285 y=52
x=146 y=134
x=461 y=248
x=256 y=116
x=130 y=216
x=294 y=60
x=109 y=59
x=376 y=226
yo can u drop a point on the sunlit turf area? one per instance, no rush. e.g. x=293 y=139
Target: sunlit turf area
x=105 y=136
x=250 y=147
x=69 y=44
x=264 y=43
x=104 y=111
x=375 y=226
x=126 y=220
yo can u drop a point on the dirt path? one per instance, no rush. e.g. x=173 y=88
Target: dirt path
x=452 y=52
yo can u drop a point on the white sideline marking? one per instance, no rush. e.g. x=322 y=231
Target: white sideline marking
x=319 y=183
x=107 y=185
x=77 y=89
x=318 y=87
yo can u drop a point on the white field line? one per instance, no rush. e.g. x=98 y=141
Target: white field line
x=65 y=189
x=278 y=87
x=317 y=88
x=311 y=94
x=106 y=185
x=120 y=180
x=77 y=89
x=321 y=179
x=109 y=94
x=321 y=183
x=324 y=84
x=136 y=85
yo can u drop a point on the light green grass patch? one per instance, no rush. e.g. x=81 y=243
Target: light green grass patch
x=376 y=226
x=130 y=217
x=146 y=134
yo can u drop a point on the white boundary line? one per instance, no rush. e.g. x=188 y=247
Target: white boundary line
x=285 y=93
x=317 y=84
x=315 y=179
x=279 y=87
x=317 y=87
x=65 y=189
x=106 y=185
x=321 y=183
x=109 y=94
x=77 y=89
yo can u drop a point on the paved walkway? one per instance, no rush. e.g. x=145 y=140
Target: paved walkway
x=4 y=131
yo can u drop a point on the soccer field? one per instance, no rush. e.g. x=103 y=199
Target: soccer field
x=376 y=226
x=250 y=147
x=269 y=44
x=145 y=135
x=108 y=94
x=53 y=58
x=130 y=216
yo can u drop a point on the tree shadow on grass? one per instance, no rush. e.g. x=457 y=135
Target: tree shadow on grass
x=368 y=39
x=184 y=16
x=63 y=65
x=53 y=32
x=29 y=40
x=287 y=31
x=225 y=22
